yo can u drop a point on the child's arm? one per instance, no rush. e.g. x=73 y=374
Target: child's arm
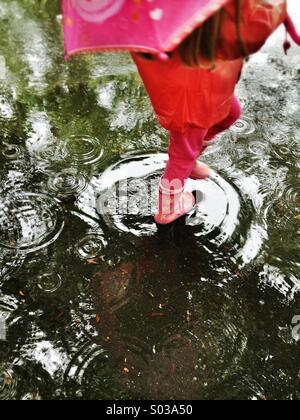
x=264 y=18
x=257 y=21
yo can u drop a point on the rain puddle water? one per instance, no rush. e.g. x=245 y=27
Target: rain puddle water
x=95 y=302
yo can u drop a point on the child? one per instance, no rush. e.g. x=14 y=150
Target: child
x=193 y=91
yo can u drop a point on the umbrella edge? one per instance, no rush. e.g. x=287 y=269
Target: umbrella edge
x=196 y=20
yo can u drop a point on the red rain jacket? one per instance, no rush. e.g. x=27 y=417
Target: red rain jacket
x=199 y=97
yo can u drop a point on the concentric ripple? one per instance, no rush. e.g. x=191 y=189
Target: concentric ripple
x=90 y=364
x=11 y=152
x=286 y=154
x=128 y=199
x=214 y=350
x=54 y=152
x=128 y=193
x=66 y=183
x=218 y=208
x=286 y=204
x=86 y=355
x=9 y=261
x=84 y=150
x=90 y=247
x=259 y=149
x=244 y=126
x=29 y=221
x=8 y=383
x=49 y=282
x=151 y=350
x=277 y=133
x=9 y=316
x=291 y=199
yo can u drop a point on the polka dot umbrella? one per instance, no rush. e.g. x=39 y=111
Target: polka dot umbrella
x=153 y=26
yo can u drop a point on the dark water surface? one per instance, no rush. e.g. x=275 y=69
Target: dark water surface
x=94 y=302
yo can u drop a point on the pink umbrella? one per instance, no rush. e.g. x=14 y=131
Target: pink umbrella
x=153 y=26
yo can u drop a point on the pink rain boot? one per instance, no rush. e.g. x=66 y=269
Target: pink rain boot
x=173 y=204
x=200 y=171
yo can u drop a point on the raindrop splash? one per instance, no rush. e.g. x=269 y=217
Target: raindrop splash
x=67 y=183
x=90 y=247
x=243 y=127
x=29 y=221
x=49 y=282
x=84 y=150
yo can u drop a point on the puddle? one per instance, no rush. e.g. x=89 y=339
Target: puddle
x=95 y=301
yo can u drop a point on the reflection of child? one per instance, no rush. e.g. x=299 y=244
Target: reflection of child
x=193 y=91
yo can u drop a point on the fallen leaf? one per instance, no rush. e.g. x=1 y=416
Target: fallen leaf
x=8 y=380
x=92 y=262
x=157 y=315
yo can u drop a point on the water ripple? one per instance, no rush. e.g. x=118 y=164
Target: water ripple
x=29 y=221
x=8 y=307
x=285 y=154
x=8 y=378
x=116 y=287
x=12 y=152
x=127 y=200
x=67 y=183
x=8 y=383
x=277 y=133
x=90 y=247
x=291 y=199
x=286 y=285
x=126 y=193
x=53 y=152
x=214 y=351
x=49 y=282
x=80 y=363
x=208 y=217
x=244 y=127
x=9 y=262
x=150 y=350
x=84 y=150
x=259 y=149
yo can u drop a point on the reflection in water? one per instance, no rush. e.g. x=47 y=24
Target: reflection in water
x=90 y=247
x=174 y=347
x=8 y=383
x=29 y=221
x=84 y=150
x=11 y=152
x=288 y=287
x=6 y=111
x=49 y=283
x=9 y=261
x=243 y=127
x=96 y=301
x=125 y=195
x=66 y=183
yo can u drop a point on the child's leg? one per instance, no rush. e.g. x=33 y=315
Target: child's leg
x=185 y=148
x=234 y=115
x=183 y=152
x=202 y=171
